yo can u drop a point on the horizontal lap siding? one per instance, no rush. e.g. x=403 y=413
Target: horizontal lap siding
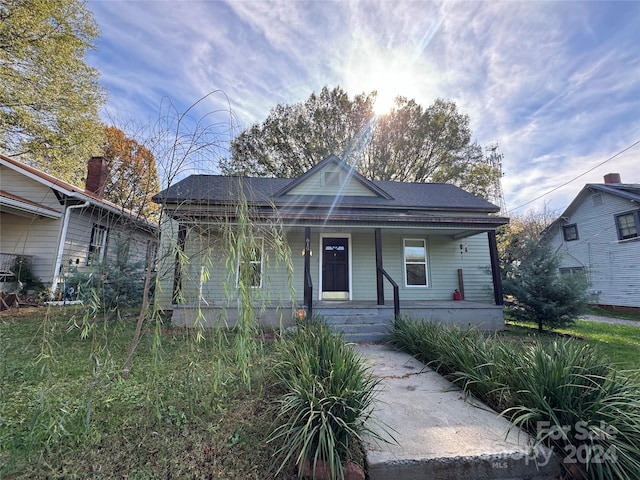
x=209 y=254
x=37 y=237
x=444 y=258
x=23 y=186
x=443 y=261
x=613 y=266
x=81 y=224
x=166 y=261
x=314 y=185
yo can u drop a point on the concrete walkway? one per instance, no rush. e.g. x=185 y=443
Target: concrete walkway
x=615 y=321
x=439 y=433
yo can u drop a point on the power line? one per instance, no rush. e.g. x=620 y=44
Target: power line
x=575 y=178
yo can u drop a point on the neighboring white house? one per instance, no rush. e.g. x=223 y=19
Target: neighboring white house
x=60 y=227
x=599 y=234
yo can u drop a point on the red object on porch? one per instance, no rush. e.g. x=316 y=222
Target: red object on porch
x=457 y=295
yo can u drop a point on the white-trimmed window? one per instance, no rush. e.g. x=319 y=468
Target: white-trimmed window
x=250 y=267
x=628 y=225
x=97 y=244
x=415 y=262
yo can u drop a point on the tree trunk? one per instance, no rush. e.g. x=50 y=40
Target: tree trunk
x=143 y=310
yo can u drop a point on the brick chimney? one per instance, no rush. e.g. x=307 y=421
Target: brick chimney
x=97 y=171
x=612 y=178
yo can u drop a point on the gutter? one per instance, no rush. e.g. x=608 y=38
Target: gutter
x=63 y=238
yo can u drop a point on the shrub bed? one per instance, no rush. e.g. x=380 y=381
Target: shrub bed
x=563 y=393
x=327 y=397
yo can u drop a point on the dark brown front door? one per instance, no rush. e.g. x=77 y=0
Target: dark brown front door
x=335 y=268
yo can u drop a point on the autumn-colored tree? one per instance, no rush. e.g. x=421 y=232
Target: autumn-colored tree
x=132 y=179
x=410 y=144
x=49 y=96
x=520 y=233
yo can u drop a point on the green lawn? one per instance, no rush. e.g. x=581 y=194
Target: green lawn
x=620 y=343
x=184 y=411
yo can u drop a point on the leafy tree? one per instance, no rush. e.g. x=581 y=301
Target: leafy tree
x=295 y=137
x=49 y=96
x=541 y=293
x=522 y=231
x=411 y=143
x=132 y=178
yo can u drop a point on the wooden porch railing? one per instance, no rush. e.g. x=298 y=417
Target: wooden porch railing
x=396 y=291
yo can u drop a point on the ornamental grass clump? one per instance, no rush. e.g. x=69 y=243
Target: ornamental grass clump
x=569 y=399
x=463 y=355
x=327 y=399
x=563 y=393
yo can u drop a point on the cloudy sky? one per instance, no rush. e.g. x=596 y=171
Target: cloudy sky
x=555 y=84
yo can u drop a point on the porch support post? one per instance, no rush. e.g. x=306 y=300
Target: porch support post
x=177 y=271
x=307 y=269
x=379 y=267
x=495 y=268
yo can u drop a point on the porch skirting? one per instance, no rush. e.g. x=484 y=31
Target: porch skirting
x=484 y=316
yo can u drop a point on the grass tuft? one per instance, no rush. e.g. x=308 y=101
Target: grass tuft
x=563 y=392
x=327 y=398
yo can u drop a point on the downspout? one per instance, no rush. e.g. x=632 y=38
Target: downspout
x=63 y=238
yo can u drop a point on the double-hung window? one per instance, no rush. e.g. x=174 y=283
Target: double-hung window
x=570 y=232
x=415 y=262
x=97 y=245
x=628 y=224
x=250 y=264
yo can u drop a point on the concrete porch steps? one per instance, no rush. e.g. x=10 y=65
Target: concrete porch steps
x=439 y=433
x=358 y=326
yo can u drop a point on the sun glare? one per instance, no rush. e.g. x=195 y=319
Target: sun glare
x=385 y=101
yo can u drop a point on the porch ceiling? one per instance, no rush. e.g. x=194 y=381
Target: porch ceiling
x=16 y=205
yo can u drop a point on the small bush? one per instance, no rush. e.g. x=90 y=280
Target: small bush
x=328 y=397
x=541 y=294
x=113 y=284
x=563 y=394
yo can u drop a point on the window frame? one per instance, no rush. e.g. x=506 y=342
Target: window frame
x=567 y=228
x=571 y=270
x=260 y=241
x=99 y=247
x=405 y=262
x=635 y=214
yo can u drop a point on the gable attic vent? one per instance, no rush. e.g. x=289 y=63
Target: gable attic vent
x=596 y=199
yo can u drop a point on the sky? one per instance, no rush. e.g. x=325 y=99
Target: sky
x=555 y=85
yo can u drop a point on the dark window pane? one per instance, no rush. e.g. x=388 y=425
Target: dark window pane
x=416 y=274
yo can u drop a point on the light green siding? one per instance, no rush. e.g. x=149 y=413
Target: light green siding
x=316 y=185
x=217 y=287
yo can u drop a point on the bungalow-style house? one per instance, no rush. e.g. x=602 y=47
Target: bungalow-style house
x=60 y=228
x=599 y=234
x=361 y=251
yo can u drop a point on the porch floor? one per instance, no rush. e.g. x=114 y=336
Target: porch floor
x=403 y=304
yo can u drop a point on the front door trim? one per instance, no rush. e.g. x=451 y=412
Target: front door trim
x=349 y=260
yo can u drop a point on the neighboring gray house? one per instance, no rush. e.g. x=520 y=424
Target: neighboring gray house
x=599 y=234
x=60 y=227
x=349 y=238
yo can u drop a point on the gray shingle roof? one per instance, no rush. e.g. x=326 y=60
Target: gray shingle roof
x=217 y=189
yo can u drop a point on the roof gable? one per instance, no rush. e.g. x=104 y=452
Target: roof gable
x=628 y=191
x=64 y=189
x=332 y=177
